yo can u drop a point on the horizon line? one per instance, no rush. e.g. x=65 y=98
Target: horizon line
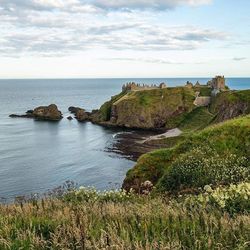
x=96 y=78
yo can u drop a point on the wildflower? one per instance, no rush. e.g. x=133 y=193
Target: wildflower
x=208 y=189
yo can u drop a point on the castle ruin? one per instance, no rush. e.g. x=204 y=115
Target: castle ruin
x=217 y=83
x=132 y=86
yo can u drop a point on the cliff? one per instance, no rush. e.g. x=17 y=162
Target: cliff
x=230 y=104
x=147 y=109
x=170 y=108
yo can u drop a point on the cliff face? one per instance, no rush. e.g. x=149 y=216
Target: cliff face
x=230 y=104
x=148 y=109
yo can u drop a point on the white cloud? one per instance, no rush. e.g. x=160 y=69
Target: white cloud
x=91 y=5
x=240 y=58
x=63 y=27
x=146 y=4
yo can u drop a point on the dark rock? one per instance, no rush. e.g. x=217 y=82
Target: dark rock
x=94 y=111
x=50 y=112
x=74 y=110
x=21 y=116
x=81 y=115
x=70 y=118
x=29 y=111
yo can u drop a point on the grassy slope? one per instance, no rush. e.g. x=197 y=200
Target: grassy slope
x=204 y=90
x=231 y=97
x=231 y=137
x=199 y=118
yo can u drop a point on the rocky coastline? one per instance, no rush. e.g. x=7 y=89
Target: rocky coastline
x=155 y=113
x=155 y=118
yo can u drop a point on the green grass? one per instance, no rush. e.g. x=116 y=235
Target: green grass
x=229 y=99
x=149 y=109
x=204 y=90
x=225 y=139
x=199 y=118
x=87 y=220
x=105 y=110
x=169 y=142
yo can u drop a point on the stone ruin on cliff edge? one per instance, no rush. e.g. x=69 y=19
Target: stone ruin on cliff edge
x=217 y=84
x=132 y=86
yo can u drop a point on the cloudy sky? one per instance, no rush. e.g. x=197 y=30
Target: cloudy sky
x=124 y=38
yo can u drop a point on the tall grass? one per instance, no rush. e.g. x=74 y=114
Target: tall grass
x=89 y=220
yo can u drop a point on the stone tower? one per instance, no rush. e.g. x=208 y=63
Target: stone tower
x=218 y=83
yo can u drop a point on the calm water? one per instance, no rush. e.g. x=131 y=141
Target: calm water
x=37 y=156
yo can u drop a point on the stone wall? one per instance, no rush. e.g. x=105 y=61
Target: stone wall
x=132 y=86
x=202 y=101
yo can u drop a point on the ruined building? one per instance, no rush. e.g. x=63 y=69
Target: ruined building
x=132 y=86
x=217 y=83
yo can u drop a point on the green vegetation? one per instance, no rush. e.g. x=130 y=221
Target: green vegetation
x=86 y=219
x=230 y=104
x=201 y=184
x=199 y=118
x=204 y=90
x=156 y=108
x=202 y=166
x=222 y=149
x=105 y=110
x=233 y=97
x=233 y=199
x=169 y=142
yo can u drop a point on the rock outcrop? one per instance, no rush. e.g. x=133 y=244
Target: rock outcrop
x=49 y=113
x=80 y=114
x=230 y=104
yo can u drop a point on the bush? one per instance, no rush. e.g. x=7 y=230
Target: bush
x=202 y=166
x=234 y=199
x=88 y=194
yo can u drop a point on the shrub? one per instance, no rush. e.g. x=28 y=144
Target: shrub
x=202 y=166
x=233 y=199
x=89 y=194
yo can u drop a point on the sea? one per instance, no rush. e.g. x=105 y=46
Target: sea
x=37 y=156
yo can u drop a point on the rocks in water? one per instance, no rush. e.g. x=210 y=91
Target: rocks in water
x=70 y=118
x=73 y=109
x=30 y=111
x=49 y=113
x=80 y=114
x=21 y=116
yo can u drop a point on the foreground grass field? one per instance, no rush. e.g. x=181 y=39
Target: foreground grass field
x=86 y=219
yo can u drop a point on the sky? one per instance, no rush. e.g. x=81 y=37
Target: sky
x=124 y=38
